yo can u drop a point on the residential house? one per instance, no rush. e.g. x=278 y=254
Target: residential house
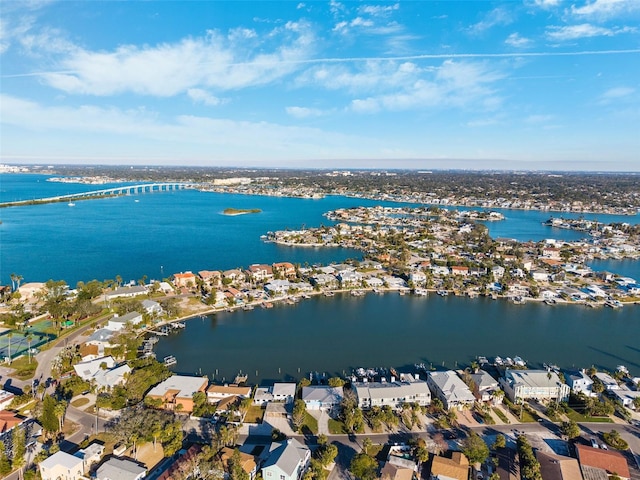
x=534 y=385
x=184 y=280
x=322 y=397
x=247 y=462
x=454 y=468
x=234 y=275
x=126 y=292
x=215 y=393
x=497 y=271
x=578 y=381
x=5 y=398
x=626 y=396
x=8 y=421
x=540 y=275
x=100 y=338
x=450 y=389
x=349 y=278
x=107 y=379
x=597 y=463
x=393 y=394
x=558 y=467
x=608 y=381
x=551 y=252
x=374 y=282
x=398 y=467
x=62 y=466
x=284 y=269
x=440 y=270
x=212 y=278
x=178 y=390
x=120 y=469
x=152 y=307
x=418 y=277
x=278 y=287
x=90 y=455
x=278 y=392
x=286 y=460
x=175 y=468
x=324 y=280
x=485 y=387
x=260 y=272
x=460 y=270
x=117 y=322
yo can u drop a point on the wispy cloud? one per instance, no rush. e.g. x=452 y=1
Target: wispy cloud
x=496 y=17
x=378 y=10
x=516 y=41
x=618 y=92
x=538 y=119
x=304 y=112
x=546 y=4
x=202 y=96
x=605 y=9
x=584 y=30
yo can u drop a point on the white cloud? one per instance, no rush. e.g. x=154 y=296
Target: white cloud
x=211 y=61
x=211 y=137
x=378 y=10
x=515 y=40
x=538 y=119
x=497 y=17
x=546 y=4
x=584 y=30
x=361 y=22
x=618 y=92
x=604 y=9
x=202 y=96
x=304 y=112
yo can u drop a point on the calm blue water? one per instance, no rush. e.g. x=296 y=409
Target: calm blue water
x=169 y=232
x=340 y=333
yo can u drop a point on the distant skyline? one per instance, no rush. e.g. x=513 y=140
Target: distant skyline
x=527 y=85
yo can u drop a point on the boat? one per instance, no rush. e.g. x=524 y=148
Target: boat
x=613 y=304
x=498 y=361
x=421 y=292
x=329 y=294
x=518 y=300
x=71 y=204
x=550 y=301
x=246 y=308
x=170 y=360
x=519 y=361
x=443 y=293
x=357 y=293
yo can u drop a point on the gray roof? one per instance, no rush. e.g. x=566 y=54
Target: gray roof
x=138 y=289
x=532 y=378
x=63 y=459
x=391 y=389
x=322 y=394
x=119 y=469
x=287 y=455
x=284 y=389
x=451 y=386
x=185 y=385
x=101 y=335
x=127 y=317
x=483 y=380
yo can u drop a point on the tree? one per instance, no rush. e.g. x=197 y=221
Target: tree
x=59 y=411
x=500 y=442
x=299 y=414
x=570 y=429
x=5 y=466
x=336 y=382
x=636 y=403
x=236 y=472
x=327 y=454
x=48 y=419
x=363 y=467
x=19 y=449
x=29 y=340
x=475 y=448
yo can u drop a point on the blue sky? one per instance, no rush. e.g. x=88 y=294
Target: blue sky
x=533 y=84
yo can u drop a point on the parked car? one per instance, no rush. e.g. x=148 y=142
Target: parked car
x=594 y=443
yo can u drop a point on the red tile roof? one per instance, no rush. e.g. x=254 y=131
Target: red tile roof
x=612 y=462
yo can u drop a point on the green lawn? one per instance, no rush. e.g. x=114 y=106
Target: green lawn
x=80 y=402
x=501 y=415
x=24 y=370
x=254 y=414
x=579 y=417
x=336 y=427
x=310 y=424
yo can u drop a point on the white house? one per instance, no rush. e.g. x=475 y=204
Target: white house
x=608 y=381
x=418 y=277
x=62 y=465
x=117 y=322
x=286 y=460
x=151 y=307
x=579 y=382
x=86 y=370
x=534 y=384
x=126 y=292
x=120 y=469
x=450 y=389
x=322 y=397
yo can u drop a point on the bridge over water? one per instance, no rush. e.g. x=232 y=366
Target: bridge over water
x=108 y=192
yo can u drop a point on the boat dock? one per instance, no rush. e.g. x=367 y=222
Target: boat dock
x=170 y=360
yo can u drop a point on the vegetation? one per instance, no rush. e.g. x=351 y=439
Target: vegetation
x=529 y=465
x=474 y=448
x=501 y=415
x=570 y=429
x=613 y=439
x=363 y=467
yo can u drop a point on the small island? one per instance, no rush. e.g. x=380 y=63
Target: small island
x=240 y=211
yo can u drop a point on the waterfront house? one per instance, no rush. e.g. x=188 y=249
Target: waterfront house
x=62 y=465
x=322 y=397
x=450 y=389
x=597 y=463
x=152 y=307
x=540 y=275
x=120 y=469
x=460 y=270
x=324 y=280
x=278 y=392
x=106 y=379
x=374 y=282
x=418 y=277
x=211 y=278
x=215 y=393
x=393 y=394
x=126 y=292
x=608 y=381
x=86 y=370
x=178 y=390
x=485 y=387
x=101 y=338
x=184 y=280
x=286 y=460
x=284 y=269
x=534 y=385
x=626 y=396
x=349 y=278
x=117 y=322
x=454 y=468
x=260 y=272
x=278 y=287
x=558 y=467
x=578 y=381
x=440 y=270
x=497 y=271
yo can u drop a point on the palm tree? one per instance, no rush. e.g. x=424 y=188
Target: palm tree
x=9 y=336
x=29 y=340
x=59 y=411
x=15 y=281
